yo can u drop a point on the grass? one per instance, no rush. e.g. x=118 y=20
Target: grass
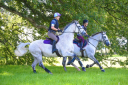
x=23 y=75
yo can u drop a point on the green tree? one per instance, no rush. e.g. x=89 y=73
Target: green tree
x=103 y=15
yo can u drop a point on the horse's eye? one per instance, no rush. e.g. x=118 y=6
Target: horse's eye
x=104 y=36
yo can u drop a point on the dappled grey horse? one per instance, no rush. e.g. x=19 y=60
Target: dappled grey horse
x=65 y=46
x=90 y=49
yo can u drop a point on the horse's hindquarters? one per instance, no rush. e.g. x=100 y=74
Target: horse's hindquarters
x=39 y=48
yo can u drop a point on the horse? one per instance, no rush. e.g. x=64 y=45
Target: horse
x=90 y=49
x=65 y=46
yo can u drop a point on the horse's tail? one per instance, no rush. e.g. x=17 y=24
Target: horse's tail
x=21 y=49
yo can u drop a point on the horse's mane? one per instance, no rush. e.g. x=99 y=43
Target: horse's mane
x=96 y=33
x=69 y=24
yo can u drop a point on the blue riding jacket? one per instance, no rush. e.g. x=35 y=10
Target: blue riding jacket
x=56 y=25
x=85 y=28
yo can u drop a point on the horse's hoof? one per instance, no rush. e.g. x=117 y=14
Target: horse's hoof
x=102 y=70
x=78 y=69
x=83 y=69
x=65 y=69
x=34 y=71
x=50 y=73
x=87 y=66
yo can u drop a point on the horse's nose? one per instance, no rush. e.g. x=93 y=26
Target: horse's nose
x=107 y=43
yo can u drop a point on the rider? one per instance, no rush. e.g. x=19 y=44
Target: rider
x=53 y=28
x=81 y=39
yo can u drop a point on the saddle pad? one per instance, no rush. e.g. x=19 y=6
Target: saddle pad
x=78 y=43
x=49 y=40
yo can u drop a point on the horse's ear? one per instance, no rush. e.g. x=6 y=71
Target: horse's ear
x=104 y=32
x=74 y=21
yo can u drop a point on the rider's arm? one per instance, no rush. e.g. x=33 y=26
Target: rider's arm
x=53 y=28
x=86 y=32
x=53 y=22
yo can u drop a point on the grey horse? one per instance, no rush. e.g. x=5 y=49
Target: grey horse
x=90 y=49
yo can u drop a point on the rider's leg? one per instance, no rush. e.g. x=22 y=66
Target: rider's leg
x=81 y=39
x=54 y=46
x=81 y=46
x=53 y=36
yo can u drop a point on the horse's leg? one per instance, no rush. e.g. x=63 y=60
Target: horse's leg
x=69 y=59
x=99 y=66
x=73 y=59
x=38 y=59
x=83 y=68
x=73 y=56
x=63 y=63
x=41 y=65
x=34 y=64
x=87 y=66
x=96 y=62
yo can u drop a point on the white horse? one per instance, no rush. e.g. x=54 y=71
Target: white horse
x=90 y=49
x=65 y=46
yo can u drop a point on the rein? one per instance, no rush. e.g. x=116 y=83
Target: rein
x=75 y=29
x=95 y=40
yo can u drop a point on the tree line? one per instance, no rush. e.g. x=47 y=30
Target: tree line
x=103 y=15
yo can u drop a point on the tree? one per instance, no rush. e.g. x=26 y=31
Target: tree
x=103 y=15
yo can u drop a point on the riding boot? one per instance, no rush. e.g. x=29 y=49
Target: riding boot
x=81 y=46
x=54 y=46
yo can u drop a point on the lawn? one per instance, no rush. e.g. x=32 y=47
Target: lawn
x=23 y=75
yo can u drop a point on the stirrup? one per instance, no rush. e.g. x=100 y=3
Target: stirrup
x=82 y=50
x=54 y=50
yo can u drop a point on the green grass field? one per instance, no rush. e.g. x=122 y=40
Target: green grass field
x=23 y=75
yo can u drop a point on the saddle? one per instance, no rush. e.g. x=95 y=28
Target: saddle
x=77 y=42
x=50 y=41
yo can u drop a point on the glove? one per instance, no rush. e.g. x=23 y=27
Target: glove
x=59 y=30
x=87 y=36
x=78 y=35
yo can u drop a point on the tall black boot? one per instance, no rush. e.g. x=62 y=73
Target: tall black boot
x=81 y=46
x=54 y=46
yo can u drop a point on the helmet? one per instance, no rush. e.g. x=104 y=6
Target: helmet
x=57 y=14
x=85 y=21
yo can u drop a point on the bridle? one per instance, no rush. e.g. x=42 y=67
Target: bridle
x=76 y=26
x=103 y=40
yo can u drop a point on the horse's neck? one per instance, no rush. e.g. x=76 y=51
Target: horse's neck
x=95 y=39
x=67 y=37
x=68 y=33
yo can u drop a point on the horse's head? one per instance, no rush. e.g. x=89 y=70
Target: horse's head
x=78 y=28
x=105 y=39
x=74 y=27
